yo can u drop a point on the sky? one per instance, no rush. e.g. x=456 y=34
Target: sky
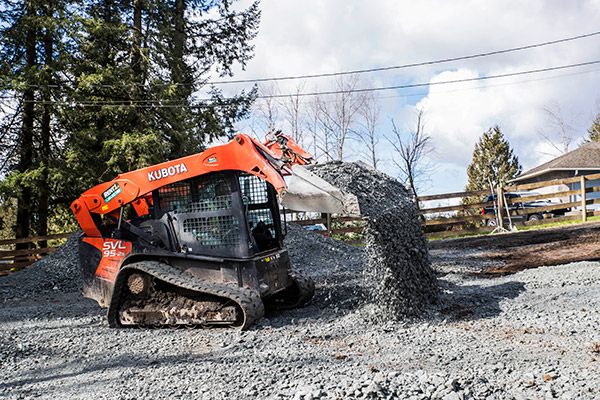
x=311 y=37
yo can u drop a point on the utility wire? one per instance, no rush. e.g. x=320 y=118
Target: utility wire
x=464 y=89
x=419 y=64
x=415 y=85
x=227 y=101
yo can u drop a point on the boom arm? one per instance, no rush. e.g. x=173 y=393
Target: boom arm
x=286 y=149
x=242 y=154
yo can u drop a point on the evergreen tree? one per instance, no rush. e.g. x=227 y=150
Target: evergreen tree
x=138 y=65
x=493 y=159
x=92 y=88
x=29 y=46
x=594 y=131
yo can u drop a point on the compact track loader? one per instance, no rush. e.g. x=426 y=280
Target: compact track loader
x=198 y=241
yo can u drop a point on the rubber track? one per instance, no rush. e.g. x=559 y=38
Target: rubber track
x=248 y=300
x=306 y=291
x=306 y=287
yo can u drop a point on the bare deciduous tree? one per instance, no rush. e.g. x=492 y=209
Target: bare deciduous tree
x=312 y=125
x=561 y=134
x=411 y=153
x=266 y=111
x=367 y=128
x=293 y=111
x=325 y=136
x=338 y=114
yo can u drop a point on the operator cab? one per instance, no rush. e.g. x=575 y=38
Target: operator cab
x=223 y=214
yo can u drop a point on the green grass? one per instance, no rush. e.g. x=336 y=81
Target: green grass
x=557 y=223
x=520 y=228
x=459 y=234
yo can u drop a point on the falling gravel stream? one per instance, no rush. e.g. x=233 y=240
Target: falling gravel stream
x=399 y=276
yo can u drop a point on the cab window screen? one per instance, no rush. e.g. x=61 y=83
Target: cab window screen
x=203 y=214
x=196 y=195
x=255 y=197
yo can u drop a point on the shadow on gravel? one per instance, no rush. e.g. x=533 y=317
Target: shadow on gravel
x=84 y=373
x=70 y=305
x=469 y=302
x=78 y=367
x=326 y=304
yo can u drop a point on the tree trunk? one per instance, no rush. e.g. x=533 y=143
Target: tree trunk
x=179 y=39
x=373 y=150
x=108 y=20
x=24 y=204
x=105 y=61
x=137 y=62
x=44 y=192
x=136 y=48
x=413 y=189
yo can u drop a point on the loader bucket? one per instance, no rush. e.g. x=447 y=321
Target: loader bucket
x=307 y=192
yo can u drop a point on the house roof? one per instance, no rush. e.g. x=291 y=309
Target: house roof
x=586 y=157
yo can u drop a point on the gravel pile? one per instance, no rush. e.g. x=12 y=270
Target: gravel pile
x=57 y=272
x=399 y=274
x=336 y=266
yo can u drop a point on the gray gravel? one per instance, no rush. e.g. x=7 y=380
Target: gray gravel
x=400 y=279
x=531 y=335
x=57 y=272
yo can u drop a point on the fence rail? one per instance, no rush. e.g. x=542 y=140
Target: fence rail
x=573 y=205
x=15 y=259
x=467 y=217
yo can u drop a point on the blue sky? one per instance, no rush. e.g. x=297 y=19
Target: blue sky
x=302 y=37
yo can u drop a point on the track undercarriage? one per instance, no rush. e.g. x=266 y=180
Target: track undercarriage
x=153 y=294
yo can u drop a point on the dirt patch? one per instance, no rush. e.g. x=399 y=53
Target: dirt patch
x=512 y=252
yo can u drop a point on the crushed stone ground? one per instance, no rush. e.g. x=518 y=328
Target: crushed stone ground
x=531 y=335
x=58 y=271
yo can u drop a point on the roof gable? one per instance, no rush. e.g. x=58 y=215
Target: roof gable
x=585 y=157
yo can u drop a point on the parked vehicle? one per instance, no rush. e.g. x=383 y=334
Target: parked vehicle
x=315 y=227
x=530 y=215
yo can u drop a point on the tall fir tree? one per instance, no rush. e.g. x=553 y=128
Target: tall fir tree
x=493 y=160
x=98 y=87
x=30 y=45
x=138 y=67
x=594 y=131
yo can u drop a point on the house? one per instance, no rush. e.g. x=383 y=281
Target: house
x=584 y=160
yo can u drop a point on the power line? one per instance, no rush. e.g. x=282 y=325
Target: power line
x=414 y=85
x=227 y=101
x=411 y=65
x=463 y=89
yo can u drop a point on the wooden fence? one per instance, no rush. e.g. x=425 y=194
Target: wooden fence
x=452 y=220
x=13 y=260
x=446 y=220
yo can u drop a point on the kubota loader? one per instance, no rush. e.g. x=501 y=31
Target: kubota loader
x=198 y=240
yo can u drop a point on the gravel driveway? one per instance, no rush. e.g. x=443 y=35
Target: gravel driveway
x=533 y=334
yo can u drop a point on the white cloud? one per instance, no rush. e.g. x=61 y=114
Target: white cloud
x=300 y=36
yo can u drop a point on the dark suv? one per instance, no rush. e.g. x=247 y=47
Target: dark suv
x=530 y=215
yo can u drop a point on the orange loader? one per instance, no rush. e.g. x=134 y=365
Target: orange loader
x=198 y=241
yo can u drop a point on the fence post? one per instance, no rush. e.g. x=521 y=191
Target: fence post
x=500 y=204
x=583 y=204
